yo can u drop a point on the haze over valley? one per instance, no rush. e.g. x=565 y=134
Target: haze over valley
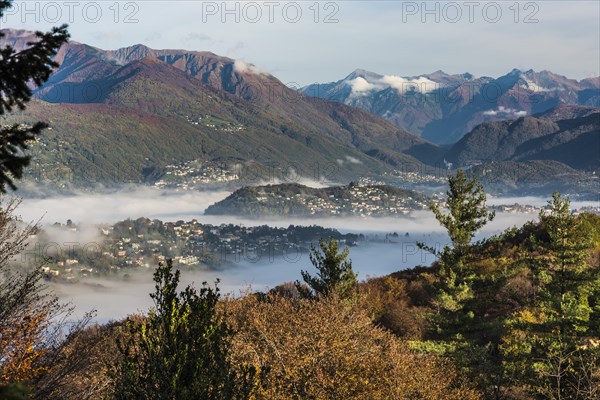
x=178 y=135
x=376 y=255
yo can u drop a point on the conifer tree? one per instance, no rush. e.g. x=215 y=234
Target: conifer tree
x=180 y=350
x=19 y=70
x=553 y=346
x=467 y=213
x=334 y=271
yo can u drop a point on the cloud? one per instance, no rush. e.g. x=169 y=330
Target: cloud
x=403 y=85
x=134 y=202
x=197 y=37
x=348 y=160
x=534 y=87
x=361 y=85
x=243 y=67
x=506 y=112
x=353 y=160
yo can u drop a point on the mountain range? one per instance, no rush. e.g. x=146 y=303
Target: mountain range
x=442 y=108
x=536 y=178
x=128 y=115
x=136 y=109
x=568 y=134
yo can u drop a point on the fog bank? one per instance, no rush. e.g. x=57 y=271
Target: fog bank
x=117 y=298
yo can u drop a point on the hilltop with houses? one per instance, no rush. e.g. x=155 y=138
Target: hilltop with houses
x=297 y=200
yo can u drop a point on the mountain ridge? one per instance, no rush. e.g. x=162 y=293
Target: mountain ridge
x=548 y=136
x=200 y=106
x=442 y=107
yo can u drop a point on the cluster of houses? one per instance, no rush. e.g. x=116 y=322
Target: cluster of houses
x=376 y=201
x=356 y=200
x=431 y=175
x=143 y=243
x=191 y=174
x=213 y=123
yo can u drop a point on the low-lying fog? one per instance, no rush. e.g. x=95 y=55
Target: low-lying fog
x=116 y=298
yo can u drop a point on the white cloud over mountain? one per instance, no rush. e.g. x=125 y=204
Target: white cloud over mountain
x=403 y=85
x=504 y=111
x=246 y=68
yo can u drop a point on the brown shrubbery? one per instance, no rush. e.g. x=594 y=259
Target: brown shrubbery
x=29 y=332
x=330 y=349
x=81 y=371
x=301 y=349
x=388 y=302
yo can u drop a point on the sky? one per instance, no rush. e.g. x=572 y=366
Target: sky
x=304 y=42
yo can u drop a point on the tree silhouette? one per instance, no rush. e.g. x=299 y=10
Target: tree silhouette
x=19 y=71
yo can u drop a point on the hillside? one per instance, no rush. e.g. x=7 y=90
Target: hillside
x=302 y=201
x=536 y=178
x=442 y=107
x=570 y=136
x=115 y=115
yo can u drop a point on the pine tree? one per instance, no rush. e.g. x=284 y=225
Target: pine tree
x=453 y=323
x=180 y=350
x=18 y=70
x=568 y=278
x=334 y=271
x=553 y=346
x=466 y=201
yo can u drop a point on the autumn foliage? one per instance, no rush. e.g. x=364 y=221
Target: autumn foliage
x=330 y=349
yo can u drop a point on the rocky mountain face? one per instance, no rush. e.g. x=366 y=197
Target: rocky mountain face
x=442 y=108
